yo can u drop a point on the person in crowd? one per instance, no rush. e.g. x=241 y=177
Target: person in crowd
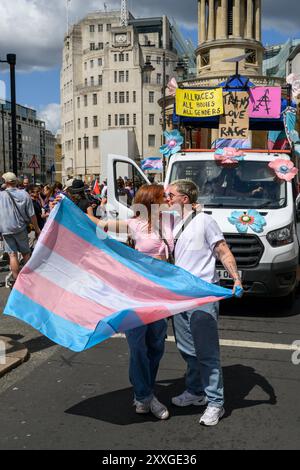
x=76 y=192
x=17 y=211
x=199 y=245
x=48 y=193
x=34 y=192
x=146 y=343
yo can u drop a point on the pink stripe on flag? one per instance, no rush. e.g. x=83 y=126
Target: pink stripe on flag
x=69 y=306
x=103 y=266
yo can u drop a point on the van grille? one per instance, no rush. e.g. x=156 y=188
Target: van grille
x=247 y=249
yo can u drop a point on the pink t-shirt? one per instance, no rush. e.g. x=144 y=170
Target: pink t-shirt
x=151 y=243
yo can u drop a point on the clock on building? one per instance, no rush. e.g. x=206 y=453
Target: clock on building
x=121 y=38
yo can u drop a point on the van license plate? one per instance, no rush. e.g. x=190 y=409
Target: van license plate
x=224 y=275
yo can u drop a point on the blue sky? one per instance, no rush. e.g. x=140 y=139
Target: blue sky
x=39 y=52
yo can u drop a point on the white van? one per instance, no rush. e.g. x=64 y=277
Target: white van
x=268 y=260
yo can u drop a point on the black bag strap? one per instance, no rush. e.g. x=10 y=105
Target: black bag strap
x=170 y=258
x=16 y=206
x=189 y=219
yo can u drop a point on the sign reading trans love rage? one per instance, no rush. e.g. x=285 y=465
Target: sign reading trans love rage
x=234 y=124
x=199 y=103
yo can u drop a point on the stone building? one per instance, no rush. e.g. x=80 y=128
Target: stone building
x=104 y=86
x=33 y=139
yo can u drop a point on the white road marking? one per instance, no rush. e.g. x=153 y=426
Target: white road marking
x=241 y=344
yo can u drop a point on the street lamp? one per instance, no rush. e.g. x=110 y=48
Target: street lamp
x=180 y=69
x=11 y=60
x=3 y=138
x=85 y=140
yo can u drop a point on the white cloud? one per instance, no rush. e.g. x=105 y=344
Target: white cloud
x=51 y=115
x=34 y=29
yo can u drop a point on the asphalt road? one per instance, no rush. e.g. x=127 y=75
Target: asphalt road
x=62 y=400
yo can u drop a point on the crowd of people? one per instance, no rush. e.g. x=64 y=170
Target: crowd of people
x=172 y=239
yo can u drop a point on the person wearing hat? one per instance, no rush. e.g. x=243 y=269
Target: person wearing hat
x=78 y=196
x=17 y=212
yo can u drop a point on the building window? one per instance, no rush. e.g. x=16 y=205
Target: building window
x=109 y=97
x=205 y=59
x=158 y=60
x=116 y=57
x=116 y=96
x=151 y=119
x=95 y=141
x=100 y=45
x=127 y=75
x=116 y=119
x=230 y=17
x=127 y=119
x=121 y=76
x=95 y=98
x=85 y=100
x=95 y=121
x=151 y=140
x=86 y=122
x=99 y=79
x=116 y=77
x=100 y=28
x=109 y=120
x=108 y=27
x=151 y=96
x=91 y=64
x=78 y=124
x=79 y=144
x=92 y=46
x=121 y=97
x=92 y=81
x=100 y=62
x=158 y=78
x=85 y=66
x=251 y=56
x=134 y=119
x=127 y=96
x=121 y=57
x=86 y=142
x=92 y=28
x=85 y=82
x=78 y=102
x=127 y=57
x=134 y=97
x=122 y=120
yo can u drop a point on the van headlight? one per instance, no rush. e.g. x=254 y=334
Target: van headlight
x=281 y=236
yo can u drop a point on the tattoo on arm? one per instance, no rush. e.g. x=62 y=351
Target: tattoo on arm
x=224 y=254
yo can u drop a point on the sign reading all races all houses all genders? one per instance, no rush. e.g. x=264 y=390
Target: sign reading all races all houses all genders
x=199 y=103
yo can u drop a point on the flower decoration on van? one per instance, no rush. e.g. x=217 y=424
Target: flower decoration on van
x=229 y=156
x=284 y=169
x=174 y=141
x=244 y=220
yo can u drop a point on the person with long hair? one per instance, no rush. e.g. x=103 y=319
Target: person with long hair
x=152 y=235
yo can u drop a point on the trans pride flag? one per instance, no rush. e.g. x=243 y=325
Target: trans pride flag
x=80 y=287
x=152 y=163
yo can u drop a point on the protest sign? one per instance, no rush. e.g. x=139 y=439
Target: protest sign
x=235 y=122
x=265 y=102
x=199 y=103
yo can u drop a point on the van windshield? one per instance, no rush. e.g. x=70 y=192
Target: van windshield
x=251 y=184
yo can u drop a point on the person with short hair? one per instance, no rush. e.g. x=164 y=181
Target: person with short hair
x=17 y=211
x=200 y=243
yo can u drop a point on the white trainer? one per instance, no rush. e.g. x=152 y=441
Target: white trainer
x=141 y=408
x=187 y=398
x=159 y=410
x=212 y=415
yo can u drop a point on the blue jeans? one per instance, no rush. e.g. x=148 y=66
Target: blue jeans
x=197 y=339
x=146 y=345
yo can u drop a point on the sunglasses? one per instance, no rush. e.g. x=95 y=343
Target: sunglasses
x=171 y=195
